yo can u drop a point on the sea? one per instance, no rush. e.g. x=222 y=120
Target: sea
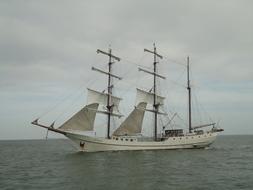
x=55 y=164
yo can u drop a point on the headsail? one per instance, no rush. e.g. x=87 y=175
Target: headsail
x=133 y=123
x=144 y=96
x=82 y=120
x=101 y=98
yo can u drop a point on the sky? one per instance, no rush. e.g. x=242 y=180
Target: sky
x=47 y=49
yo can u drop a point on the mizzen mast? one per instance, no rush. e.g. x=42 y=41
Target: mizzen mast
x=109 y=86
x=189 y=94
x=155 y=74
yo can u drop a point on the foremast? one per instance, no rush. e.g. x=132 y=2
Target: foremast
x=109 y=85
x=155 y=74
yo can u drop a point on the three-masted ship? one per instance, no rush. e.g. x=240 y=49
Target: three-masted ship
x=128 y=135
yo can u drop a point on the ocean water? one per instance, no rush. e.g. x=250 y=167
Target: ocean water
x=54 y=164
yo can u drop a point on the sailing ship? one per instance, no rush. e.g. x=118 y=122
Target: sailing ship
x=128 y=135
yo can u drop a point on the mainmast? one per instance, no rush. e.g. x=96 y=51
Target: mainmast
x=109 y=86
x=189 y=94
x=155 y=104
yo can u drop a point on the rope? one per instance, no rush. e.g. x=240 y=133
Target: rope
x=59 y=102
x=68 y=106
x=67 y=96
x=172 y=60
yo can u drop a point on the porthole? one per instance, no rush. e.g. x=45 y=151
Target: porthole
x=126 y=139
x=131 y=140
x=82 y=144
x=117 y=139
x=121 y=139
x=173 y=138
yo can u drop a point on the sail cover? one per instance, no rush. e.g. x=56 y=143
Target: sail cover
x=82 y=120
x=143 y=96
x=133 y=123
x=101 y=98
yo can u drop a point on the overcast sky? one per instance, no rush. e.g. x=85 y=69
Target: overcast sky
x=48 y=47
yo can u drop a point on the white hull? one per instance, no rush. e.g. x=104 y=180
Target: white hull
x=93 y=144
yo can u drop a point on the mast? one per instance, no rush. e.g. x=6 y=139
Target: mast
x=155 y=105
x=109 y=85
x=109 y=90
x=189 y=94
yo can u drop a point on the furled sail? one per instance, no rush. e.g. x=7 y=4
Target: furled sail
x=133 y=123
x=82 y=120
x=143 y=96
x=101 y=98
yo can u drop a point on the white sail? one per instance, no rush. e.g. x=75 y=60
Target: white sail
x=82 y=120
x=133 y=123
x=143 y=96
x=101 y=98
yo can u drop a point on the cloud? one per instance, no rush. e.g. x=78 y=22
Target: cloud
x=47 y=48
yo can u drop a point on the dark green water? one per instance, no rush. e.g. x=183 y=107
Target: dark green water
x=54 y=164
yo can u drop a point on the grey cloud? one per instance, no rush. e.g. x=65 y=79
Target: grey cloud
x=46 y=47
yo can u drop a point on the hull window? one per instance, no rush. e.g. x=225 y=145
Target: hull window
x=82 y=144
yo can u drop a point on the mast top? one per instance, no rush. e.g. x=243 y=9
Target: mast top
x=109 y=54
x=188 y=73
x=154 y=52
x=110 y=62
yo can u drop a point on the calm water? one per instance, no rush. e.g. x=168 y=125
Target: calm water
x=54 y=164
